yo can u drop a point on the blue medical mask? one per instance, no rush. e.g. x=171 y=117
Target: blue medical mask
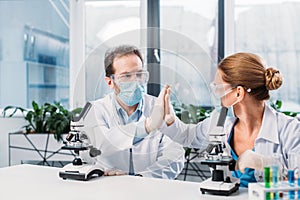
x=216 y=100
x=230 y=112
x=131 y=93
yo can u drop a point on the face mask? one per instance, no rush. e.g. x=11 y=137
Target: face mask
x=131 y=93
x=230 y=112
x=216 y=100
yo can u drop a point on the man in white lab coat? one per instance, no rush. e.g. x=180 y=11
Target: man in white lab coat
x=125 y=118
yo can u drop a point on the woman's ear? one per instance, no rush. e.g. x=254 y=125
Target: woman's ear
x=109 y=82
x=240 y=92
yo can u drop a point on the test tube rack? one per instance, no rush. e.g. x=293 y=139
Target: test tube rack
x=257 y=191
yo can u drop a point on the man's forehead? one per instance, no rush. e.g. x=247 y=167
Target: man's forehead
x=128 y=63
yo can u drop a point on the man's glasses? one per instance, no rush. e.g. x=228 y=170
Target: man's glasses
x=141 y=76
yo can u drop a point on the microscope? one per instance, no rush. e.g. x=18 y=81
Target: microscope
x=78 y=140
x=218 y=158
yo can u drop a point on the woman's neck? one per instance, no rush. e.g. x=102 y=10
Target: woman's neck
x=250 y=115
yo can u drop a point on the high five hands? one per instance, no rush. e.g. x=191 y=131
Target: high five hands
x=161 y=111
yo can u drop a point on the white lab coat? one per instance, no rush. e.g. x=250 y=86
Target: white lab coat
x=278 y=134
x=155 y=156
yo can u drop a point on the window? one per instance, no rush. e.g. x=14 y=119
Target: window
x=107 y=24
x=270 y=28
x=34 y=45
x=34 y=52
x=188 y=43
x=189 y=32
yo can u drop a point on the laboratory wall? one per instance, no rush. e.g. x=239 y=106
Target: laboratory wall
x=8 y=125
x=14 y=16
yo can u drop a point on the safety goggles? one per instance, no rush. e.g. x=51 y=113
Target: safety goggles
x=220 y=90
x=141 y=76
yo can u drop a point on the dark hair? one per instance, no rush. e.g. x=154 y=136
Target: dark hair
x=247 y=69
x=116 y=52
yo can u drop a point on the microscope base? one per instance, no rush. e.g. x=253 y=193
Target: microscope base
x=82 y=172
x=219 y=187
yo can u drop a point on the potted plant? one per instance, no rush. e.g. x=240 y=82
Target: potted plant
x=47 y=118
x=277 y=105
x=191 y=114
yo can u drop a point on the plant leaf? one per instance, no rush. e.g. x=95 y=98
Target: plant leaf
x=278 y=104
x=14 y=112
x=35 y=106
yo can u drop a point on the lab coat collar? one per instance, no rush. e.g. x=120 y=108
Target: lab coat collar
x=269 y=129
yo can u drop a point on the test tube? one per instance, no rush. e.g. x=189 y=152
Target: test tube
x=292 y=162
x=267 y=181
x=275 y=175
x=276 y=172
x=298 y=173
x=291 y=180
x=298 y=183
x=271 y=184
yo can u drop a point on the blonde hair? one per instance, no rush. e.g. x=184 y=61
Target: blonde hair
x=247 y=70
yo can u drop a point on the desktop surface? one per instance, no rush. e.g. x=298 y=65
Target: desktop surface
x=40 y=182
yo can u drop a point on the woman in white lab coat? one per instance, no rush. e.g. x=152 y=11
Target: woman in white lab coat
x=255 y=131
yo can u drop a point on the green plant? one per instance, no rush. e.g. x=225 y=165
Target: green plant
x=277 y=106
x=191 y=114
x=47 y=118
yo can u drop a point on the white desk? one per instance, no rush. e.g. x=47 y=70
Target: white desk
x=30 y=182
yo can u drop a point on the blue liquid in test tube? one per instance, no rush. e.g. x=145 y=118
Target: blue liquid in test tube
x=275 y=175
x=291 y=183
x=298 y=186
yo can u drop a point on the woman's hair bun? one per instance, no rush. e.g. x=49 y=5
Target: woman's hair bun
x=273 y=78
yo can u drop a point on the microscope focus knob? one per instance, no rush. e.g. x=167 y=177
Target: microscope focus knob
x=217 y=175
x=94 y=152
x=77 y=161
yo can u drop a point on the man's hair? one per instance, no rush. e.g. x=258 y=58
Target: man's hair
x=117 y=52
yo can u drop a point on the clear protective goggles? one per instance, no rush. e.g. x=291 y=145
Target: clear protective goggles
x=141 y=76
x=220 y=90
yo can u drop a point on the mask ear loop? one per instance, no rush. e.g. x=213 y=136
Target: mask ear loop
x=247 y=89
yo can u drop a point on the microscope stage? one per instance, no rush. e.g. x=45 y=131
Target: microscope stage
x=80 y=172
x=219 y=187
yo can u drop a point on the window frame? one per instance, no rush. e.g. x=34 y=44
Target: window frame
x=77 y=44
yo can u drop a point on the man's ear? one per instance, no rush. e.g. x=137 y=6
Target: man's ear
x=109 y=82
